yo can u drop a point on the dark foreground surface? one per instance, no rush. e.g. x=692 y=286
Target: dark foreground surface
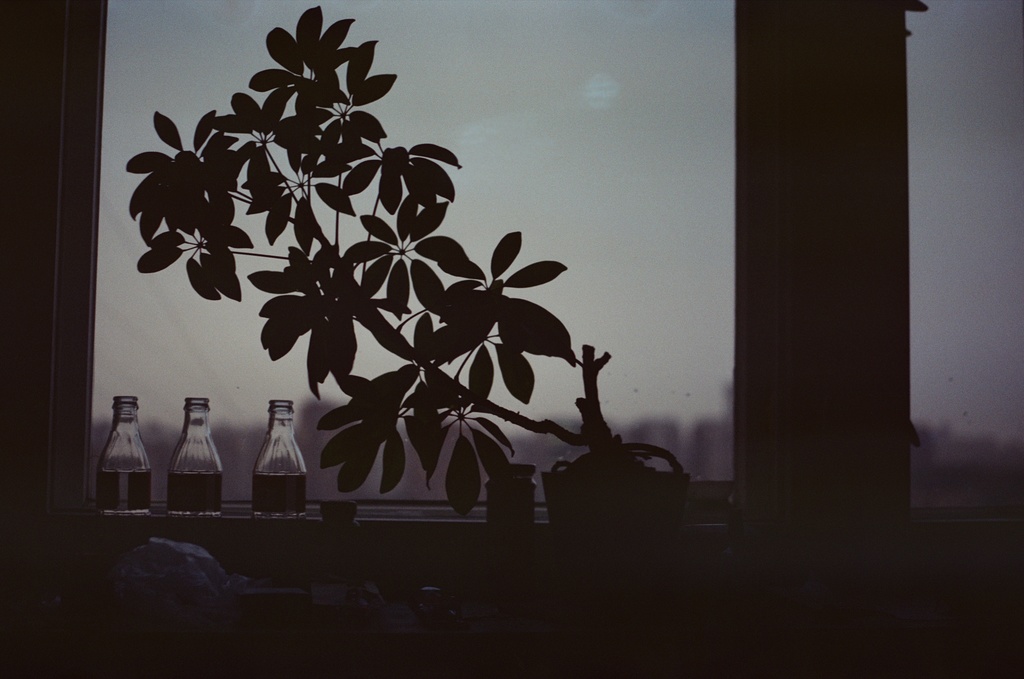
x=311 y=599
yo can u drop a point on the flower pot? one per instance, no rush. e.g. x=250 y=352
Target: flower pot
x=612 y=531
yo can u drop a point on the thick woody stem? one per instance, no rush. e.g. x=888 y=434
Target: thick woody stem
x=595 y=429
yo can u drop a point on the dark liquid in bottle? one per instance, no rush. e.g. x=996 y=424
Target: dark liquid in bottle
x=120 y=492
x=193 y=494
x=278 y=495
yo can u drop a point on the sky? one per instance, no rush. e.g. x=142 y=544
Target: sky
x=604 y=131
x=966 y=124
x=601 y=130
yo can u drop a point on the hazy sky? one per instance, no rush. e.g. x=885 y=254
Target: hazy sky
x=966 y=109
x=604 y=131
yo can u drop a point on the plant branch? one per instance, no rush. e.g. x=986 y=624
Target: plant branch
x=258 y=254
x=373 y=320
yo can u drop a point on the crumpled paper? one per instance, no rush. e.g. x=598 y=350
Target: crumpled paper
x=176 y=582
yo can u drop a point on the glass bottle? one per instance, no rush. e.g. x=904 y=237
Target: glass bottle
x=123 y=474
x=279 y=476
x=194 y=475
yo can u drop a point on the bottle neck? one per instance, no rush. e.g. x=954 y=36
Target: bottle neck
x=125 y=418
x=282 y=416
x=126 y=411
x=197 y=415
x=281 y=422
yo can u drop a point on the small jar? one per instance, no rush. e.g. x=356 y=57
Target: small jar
x=510 y=499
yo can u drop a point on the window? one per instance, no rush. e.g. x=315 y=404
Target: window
x=966 y=124
x=72 y=393
x=602 y=130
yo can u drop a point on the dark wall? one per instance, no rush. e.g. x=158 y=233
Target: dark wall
x=32 y=38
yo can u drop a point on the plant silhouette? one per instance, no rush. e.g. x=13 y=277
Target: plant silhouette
x=310 y=147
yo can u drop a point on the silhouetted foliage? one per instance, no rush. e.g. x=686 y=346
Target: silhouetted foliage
x=308 y=148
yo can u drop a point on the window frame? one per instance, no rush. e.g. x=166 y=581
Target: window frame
x=74 y=282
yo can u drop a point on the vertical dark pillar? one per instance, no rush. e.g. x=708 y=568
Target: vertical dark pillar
x=33 y=40
x=822 y=356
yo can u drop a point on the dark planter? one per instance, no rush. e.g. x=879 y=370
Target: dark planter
x=612 y=532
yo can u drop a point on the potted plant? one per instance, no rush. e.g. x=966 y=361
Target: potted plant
x=306 y=160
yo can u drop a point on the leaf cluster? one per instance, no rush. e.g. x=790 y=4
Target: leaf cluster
x=297 y=155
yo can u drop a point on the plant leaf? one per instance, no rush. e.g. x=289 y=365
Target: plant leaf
x=426 y=179
x=219 y=265
x=149 y=222
x=335 y=198
x=274 y=282
x=307 y=32
x=166 y=130
x=148 y=161
x=505 y=252
x=332 y=350
x=491 y=455
x=481 y=373
x=462 y=482
x=277 y=217
x=379 y=229
x=148 y=196
x=335 y=35
x=436 y=152
x=283 y=49
x=163 y=252
x=365 y=125
x=496 y=433
x=201 y=280
x=203 y=129
x=306 y=226
x=393 y=162
x=398 y=287
x=428 y=220
x=366 y=250
x=534 y=274
x=426 y=434
x=375 y=275
x=372 y=89
x=360 y=60
x=340 y=417
x=423 y=331
x=247 y=110
x=516 y=372
x=450 y=256
x=289 y=317
x=525 y=326
x=353 y=473
x=360 y=176
x=429 y=288
x=393 y=462
x=271 y=79
x=230 y=236
x=405 y=218
x=440 y=247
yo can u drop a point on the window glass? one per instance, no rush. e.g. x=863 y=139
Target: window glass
x=603 y=130
x=966 y=124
